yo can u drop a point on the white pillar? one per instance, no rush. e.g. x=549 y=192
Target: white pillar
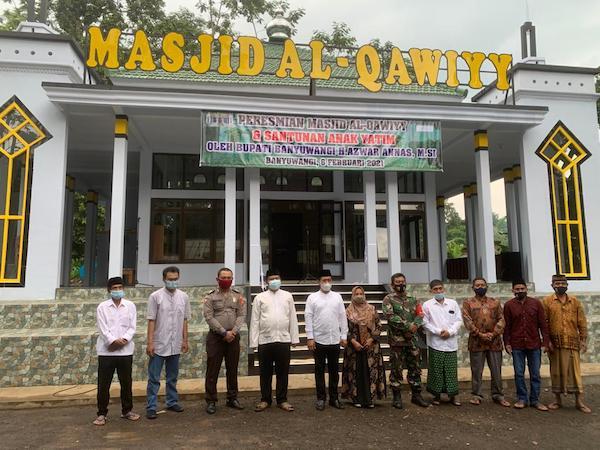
x=255 y=253
x=371 y=260
x=518 y=188
x=393 y=222
x=484 y=206
x=68 y=231
x=470 y=225
x=441 y=217
x=432 y=231
x=230 y=219
x=511 y=211
x=118 y=197
x=89 y=254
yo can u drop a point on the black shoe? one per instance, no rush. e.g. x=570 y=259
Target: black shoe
x=151 y=414
x=397 y=402
x=211 y=407
x=418 y=400
x=336 y=404
x=176 y=408
x=320 y=405
x=234 y=403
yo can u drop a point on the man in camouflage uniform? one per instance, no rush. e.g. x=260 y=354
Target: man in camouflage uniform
x=225 y=314
x=404 y=316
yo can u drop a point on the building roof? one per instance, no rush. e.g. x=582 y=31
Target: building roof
x=341 y=78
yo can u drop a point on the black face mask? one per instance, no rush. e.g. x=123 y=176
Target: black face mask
x=561 y=290
x=521 y=295
x=480 y=292
x=400 y=288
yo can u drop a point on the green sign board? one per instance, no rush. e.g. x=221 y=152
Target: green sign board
x=321 y=143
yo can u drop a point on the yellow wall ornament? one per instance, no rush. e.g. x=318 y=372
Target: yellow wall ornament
x=245 y=56
x=20 y=133
x=564 y=154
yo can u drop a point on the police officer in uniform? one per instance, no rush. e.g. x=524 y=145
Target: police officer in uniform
x=225 y=313
x=404 y=316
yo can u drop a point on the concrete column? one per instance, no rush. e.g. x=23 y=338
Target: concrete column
x=511 y=211
x=117 y=201
x=518 y=187
x=91 y=219
x=255 y=252
x=441 y=217
x=484 y=207
x=432 y=228
x=393 y=222
x=470 y=226
x=68 y=231
x=230 y=219
x=371 y=260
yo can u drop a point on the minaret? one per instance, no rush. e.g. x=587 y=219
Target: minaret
x=529 y=45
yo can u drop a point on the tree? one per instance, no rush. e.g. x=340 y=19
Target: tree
x=456 y=232
x=339 y=41
x=12 y=16
x=500 y=233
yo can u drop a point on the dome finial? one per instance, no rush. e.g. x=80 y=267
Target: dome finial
x=279 y=28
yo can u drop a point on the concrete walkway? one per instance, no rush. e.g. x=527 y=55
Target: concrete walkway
x=49 y=396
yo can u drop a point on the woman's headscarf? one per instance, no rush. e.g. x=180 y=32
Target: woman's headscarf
x=361 y=313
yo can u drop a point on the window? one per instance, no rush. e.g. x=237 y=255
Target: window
x=563 y=154
x=408 y=182
x=181 y=171
x=355 y=231
x=20 y=133
x=296 y=180
x=413 y=243
x=192 y=231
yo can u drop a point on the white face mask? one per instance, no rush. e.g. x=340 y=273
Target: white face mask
x=326 y=287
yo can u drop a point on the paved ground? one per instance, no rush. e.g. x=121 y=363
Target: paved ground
x=444 y=426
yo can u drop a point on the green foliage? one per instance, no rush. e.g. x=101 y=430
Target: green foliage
x=500 y=233
x=13 y=15
x=79 y=220
x=456 y=232
x=340 y=38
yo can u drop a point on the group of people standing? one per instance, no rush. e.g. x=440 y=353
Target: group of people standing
x=523 y=328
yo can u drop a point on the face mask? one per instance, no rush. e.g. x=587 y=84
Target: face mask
x=480 y=292
x=400 y=287
x=521 y=295
x=274 y=284
x=117 y=295
x=171 y=284
x=560 y=290
x=326 y=287
x=225 y=284
x=439 y=296
x=359 y=299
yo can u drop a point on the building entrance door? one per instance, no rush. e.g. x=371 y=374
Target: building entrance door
x=303 y=237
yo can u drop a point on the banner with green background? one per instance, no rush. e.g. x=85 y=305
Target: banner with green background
x=322 y=143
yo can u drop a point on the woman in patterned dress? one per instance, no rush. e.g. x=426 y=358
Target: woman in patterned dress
x=363 y=374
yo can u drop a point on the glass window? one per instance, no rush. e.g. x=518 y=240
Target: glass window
x=183 y=171
x=192 y=231
x=296 y=180
x=408 y=182
x=413 y=245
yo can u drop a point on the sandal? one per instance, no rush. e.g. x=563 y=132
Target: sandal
x=261 y=406
x=286 y=406
x=435 y=401
x=503 y=402
x=130 y=416
x=540 y=407
x=100 y=421
x=583 y=408
x=554 y=406
x=475 y=401
x=455 y=401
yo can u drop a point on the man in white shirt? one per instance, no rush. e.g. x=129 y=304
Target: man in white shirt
x=442 y=320
x=168 y=315
x=273 y=328
x=115 y=320
x=326 y=330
